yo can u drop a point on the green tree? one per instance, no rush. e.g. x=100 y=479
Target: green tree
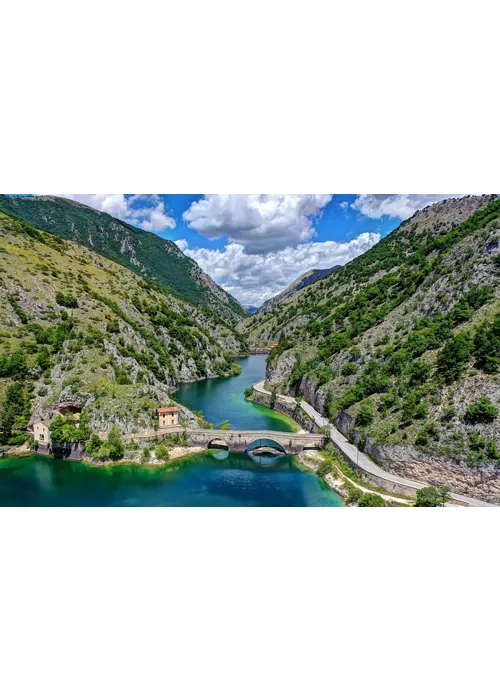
x=432 y=496
x=492 y=450
x=15 y=413
x=418 y=372
x=454 y=356
x=365 y=415
x=371 y=500
x=248 y=392
x=324 y=469
x=481 y=411
x=82 y=432
x=14 y=366
x=161 y=452
x=94 y=444
x=43 y=358
x=487 y=345
x=349 y=368
x=67 y=300
x=274 y=396
x=114 y=444
x=57 y=429
x=224 y=425
x=121 y=376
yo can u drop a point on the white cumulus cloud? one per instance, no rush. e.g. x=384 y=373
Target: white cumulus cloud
x=151 y=216
x=400 y=206
x=259 y=222
x=253 y=278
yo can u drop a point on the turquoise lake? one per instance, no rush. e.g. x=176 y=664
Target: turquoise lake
x=223 y=398
x=208 y=479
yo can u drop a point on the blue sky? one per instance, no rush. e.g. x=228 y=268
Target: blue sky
x=335 y=222
x=256 y=245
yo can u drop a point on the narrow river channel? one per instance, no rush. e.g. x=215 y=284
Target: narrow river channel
x=214 y=478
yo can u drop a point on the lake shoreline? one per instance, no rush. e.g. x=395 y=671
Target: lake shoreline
x=188 y=476
x=181 y=452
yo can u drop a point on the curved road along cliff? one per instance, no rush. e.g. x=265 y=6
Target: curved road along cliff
x=357 y=457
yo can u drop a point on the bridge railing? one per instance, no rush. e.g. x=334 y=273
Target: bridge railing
x=229 y=434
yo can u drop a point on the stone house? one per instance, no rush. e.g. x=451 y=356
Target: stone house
x=168 y=416
x=41 y=432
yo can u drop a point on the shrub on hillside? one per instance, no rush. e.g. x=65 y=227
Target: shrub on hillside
x=432 y=496
x=371 y=500
x=67 y=300
x=366 y=414
x=161 y=452
x=481 y=411
x=487 y=345
x=454 y=357
x=349 y=368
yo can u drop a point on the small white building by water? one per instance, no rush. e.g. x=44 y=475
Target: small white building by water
x=41 y=432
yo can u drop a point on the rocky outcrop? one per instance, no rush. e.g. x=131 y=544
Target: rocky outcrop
x=482 y=482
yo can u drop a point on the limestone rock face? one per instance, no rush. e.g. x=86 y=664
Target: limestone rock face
x=482 y=482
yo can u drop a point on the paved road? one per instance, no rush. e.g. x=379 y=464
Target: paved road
x=359 y=458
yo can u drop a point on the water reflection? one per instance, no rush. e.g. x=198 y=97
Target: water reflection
x=220 y=455
x=266 y=459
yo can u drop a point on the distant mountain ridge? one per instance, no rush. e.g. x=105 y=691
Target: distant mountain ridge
x=142 y=252
x=300 y=283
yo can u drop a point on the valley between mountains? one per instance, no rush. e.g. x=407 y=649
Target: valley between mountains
x=399 y=349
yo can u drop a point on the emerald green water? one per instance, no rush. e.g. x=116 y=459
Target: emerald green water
x=213 y=478
x=222 y=399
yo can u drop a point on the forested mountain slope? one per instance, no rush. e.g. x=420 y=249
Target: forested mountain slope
x=401 y=347
x=301 y=282
x=143 y=252
x=75 y=325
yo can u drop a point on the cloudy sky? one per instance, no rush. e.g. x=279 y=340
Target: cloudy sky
x=254 y=245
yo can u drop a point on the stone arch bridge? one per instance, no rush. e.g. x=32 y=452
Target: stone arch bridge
x=249 y=440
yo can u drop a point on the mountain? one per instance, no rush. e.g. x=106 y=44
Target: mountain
x=75 y=326
x=251 y=309
x=145 y=253
x=401 y=347
x=301 y=282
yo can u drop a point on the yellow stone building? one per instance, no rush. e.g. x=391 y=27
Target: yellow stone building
x=168 y=416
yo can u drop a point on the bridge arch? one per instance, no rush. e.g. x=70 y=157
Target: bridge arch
x=218 y=443
x=265 y=442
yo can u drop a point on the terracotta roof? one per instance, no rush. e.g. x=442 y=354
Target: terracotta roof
x=172 y=409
